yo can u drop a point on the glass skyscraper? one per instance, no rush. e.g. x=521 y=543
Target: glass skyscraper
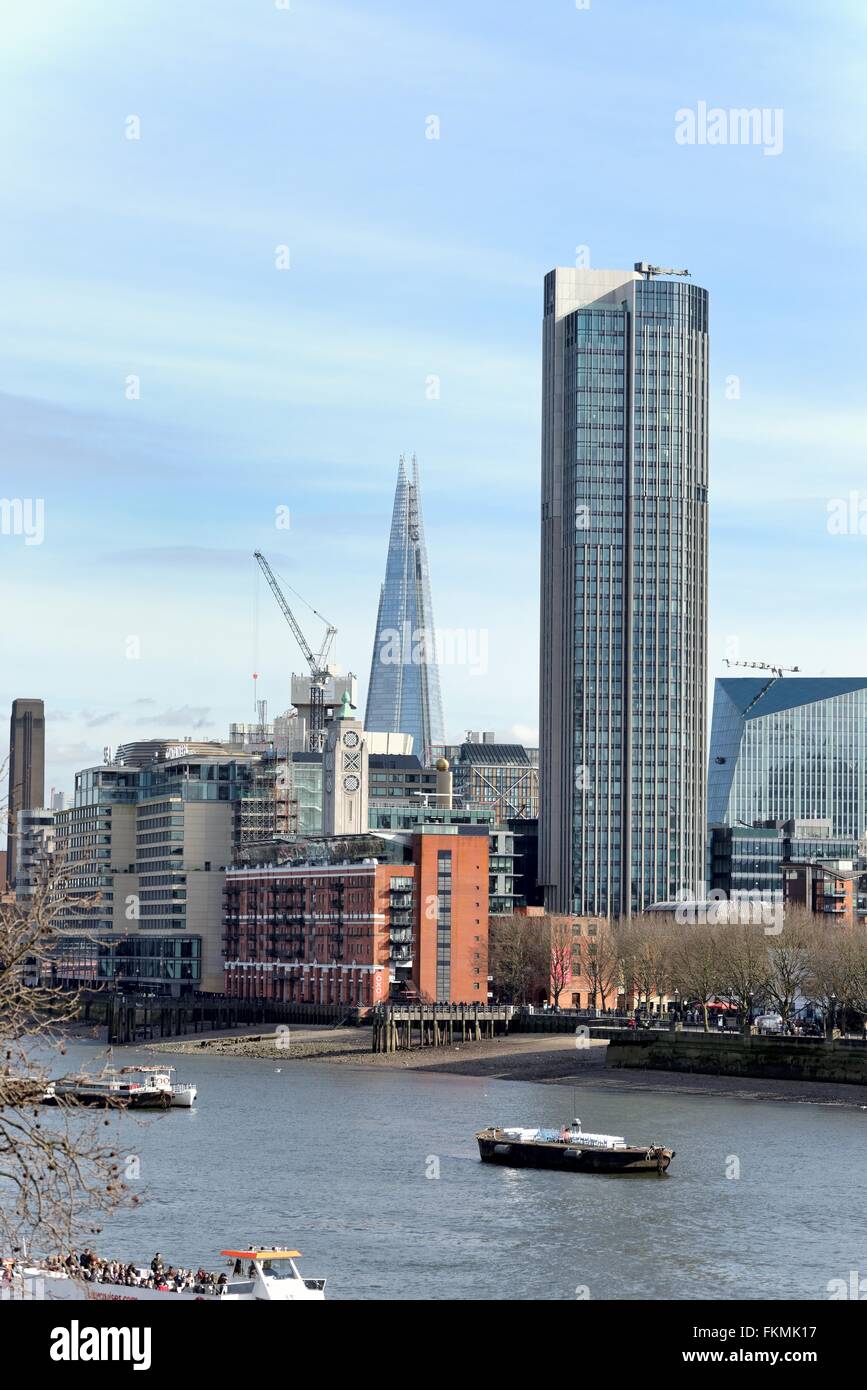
x=404 y=691
x=624 y=590
x=792 y=748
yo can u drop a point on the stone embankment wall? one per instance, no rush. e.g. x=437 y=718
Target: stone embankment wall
x=787 y=1059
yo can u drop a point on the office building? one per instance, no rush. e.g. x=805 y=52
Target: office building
x=789 y=748
x=623 y=590
x=34 y=839
x=502 y=775
x=404 y=691
x=141 y=859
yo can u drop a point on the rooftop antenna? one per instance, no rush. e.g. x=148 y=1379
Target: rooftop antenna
x=648 y=271
x=764 y=666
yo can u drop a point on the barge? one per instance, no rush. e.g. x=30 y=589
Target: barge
x=570 y=1149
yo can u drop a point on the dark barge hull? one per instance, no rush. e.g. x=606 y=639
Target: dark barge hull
x=575 y=1158
x=156 y=1100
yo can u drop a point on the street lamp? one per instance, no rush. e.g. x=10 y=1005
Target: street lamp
x=833 y=1002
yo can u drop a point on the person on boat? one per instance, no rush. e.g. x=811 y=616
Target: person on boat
x=157 y=1264
x=223 y=1281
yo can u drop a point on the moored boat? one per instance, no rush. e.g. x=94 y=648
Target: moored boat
x=182 y=1093
x=570 y=1149
x=132 y=1087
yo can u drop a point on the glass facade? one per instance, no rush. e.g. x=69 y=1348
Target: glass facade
x=404 y=691
x=746 y=859
x=792 y=748
x=625 y=513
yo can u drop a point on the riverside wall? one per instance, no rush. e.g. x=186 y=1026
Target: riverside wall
x=783 y=1059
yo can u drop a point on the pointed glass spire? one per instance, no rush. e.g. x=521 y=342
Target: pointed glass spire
x=404 y=691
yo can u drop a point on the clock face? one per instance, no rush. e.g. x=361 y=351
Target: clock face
x=350 y=739
x=351 y=783
x=329 y=785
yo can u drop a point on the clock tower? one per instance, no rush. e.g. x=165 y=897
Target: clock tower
x=344 y=775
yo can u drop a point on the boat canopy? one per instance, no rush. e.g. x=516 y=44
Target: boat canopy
x=262 y=1254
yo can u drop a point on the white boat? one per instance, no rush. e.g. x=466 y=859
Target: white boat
x=262 y=1276
x=139 y=1088
x=183 y=1093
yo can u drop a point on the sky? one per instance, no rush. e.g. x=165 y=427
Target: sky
x=251 y=251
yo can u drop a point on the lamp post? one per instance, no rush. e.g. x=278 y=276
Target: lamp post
x=833 y=1002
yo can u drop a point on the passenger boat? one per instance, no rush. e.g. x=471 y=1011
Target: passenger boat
x=183 y=1093
x=262 y=1276
x=134 y=1088
x=570 y=1149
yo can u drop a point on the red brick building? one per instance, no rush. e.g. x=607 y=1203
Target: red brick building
x=346 y=934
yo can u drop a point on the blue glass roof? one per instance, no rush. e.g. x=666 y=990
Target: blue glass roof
x=786 y=692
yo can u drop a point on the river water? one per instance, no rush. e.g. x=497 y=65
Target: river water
x=375 y=1176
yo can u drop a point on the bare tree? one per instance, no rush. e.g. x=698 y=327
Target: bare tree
x=560 y=953
x=696 y=963
x=644 y=952
x=790 y=962
x=601 y=964
x=519 y=955
x=743 y=960
x=837 y=971
x=58 y=1177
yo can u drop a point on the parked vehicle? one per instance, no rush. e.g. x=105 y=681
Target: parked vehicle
x=769 y=1023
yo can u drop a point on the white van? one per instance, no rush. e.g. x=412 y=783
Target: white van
x=769 y=1023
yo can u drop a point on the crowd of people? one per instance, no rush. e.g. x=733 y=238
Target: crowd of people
x=89 y=1267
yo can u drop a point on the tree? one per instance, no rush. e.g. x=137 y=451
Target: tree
x=601 y=964
x=519 y=955
x=743 y=958
x=560 y=954
x=644 y=953
x=789 y=961
x=696 y=962
x=57 y=1175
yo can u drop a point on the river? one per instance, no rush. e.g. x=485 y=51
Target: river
x=374 y=1175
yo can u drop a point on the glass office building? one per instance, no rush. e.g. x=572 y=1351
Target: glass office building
x=404 y=691
x=792 y=748
x=624 y=590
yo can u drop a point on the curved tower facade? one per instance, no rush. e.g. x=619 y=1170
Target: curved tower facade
x=403 y=695
x=624 y=590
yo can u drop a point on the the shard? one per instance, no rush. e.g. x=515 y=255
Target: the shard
x=404 y=691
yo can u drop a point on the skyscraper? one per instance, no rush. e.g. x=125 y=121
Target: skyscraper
x=404 y=691
x=789 y=749
x=624 y=590
x=26 y=768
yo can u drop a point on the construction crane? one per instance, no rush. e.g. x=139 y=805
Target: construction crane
x=317 y=661
x=764 y=666
x=648 y=271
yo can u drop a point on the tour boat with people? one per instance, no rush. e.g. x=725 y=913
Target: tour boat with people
x=131 y=1087
x=259 y=1275
x=570 y=1149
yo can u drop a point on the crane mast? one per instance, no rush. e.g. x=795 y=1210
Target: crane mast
x=317 y=661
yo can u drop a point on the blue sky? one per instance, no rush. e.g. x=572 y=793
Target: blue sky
x=410 y=258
